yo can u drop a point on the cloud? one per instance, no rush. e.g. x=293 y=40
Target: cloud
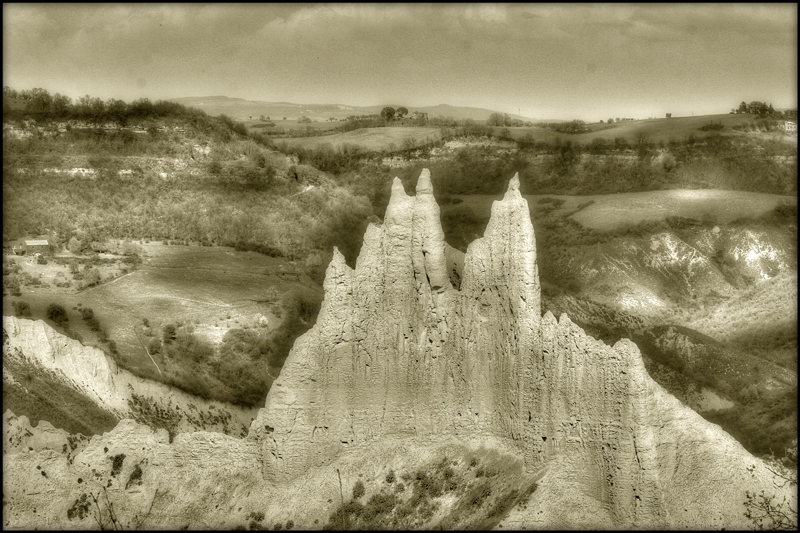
x=353 y=52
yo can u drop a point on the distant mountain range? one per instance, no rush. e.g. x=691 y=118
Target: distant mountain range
x=240 y=109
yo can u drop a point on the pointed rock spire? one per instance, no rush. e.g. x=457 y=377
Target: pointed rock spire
x=424 y=182
x=428 y=236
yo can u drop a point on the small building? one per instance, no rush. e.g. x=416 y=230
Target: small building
x=41 y=246
x=790 y=126
x=419 y=115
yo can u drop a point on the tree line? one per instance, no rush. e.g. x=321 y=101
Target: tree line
x=761 y=109
x=41 y=105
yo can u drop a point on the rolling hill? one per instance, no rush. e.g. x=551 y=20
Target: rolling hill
x=240 y=109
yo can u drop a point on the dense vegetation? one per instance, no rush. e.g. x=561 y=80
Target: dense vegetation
x=717 y=162
x=240 y=195
x=241 y=368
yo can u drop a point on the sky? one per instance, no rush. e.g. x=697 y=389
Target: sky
x=569 y=61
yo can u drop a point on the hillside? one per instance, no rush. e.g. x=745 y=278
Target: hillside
x=201 y=213
x=164 y=226
x=655 y=130
x=240 y=109
x=490 y=414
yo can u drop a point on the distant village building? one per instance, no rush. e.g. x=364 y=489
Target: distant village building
x=37 y=246
x=419 y=115
x=790 y=126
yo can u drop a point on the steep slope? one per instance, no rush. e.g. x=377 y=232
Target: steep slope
x=402 y=368
x=33 y=347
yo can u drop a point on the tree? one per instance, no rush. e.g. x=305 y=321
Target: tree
x=610 y=121
x=21 y=308
x=387 y=113
x=39 y=101
x=57 y=314
x=401 y=112
x=496 y=119
x=170 y=332
x=765 y=511
x=642 y=142
x=669 y=115
x=742 y=108
x=91 y=277
x=118 y=111
x=61 y=104
x=358 y=490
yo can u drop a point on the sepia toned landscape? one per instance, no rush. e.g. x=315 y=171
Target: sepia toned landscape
x=408 y=279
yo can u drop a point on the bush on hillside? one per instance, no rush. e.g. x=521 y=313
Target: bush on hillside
x=21 y=308
x=57 y=314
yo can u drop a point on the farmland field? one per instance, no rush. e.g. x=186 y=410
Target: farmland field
x=372 y=139
x=256 y=126
x=610 y=211
x=656 y=130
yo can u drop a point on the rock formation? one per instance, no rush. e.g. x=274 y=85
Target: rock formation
x=401 y=361
x=398 y=352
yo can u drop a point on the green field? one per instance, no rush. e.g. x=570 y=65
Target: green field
x=610 y=211
x=371 y=139
x=656 y=130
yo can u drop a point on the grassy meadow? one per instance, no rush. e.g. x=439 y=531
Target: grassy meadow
x=656 y=130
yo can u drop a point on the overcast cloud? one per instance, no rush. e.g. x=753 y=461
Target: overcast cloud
x=560 y=61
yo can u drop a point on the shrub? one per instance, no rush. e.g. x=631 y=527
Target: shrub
x=154 y=346
x=41 y=259
x=57 y=314
x=21 y=308
x=170 y=333
x=390 y=478
x=11 y=285
x=358 y=490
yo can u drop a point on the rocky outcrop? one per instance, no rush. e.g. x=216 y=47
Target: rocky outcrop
x=398 y=352
x=97 y=376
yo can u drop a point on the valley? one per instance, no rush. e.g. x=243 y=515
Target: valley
x=307 y=267
x=190 y=261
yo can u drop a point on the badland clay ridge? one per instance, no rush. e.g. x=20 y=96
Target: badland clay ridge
x=490 y=413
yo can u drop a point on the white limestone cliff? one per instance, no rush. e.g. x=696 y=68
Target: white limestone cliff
x=94 y=374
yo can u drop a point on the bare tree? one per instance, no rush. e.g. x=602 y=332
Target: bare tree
x=766 y=511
